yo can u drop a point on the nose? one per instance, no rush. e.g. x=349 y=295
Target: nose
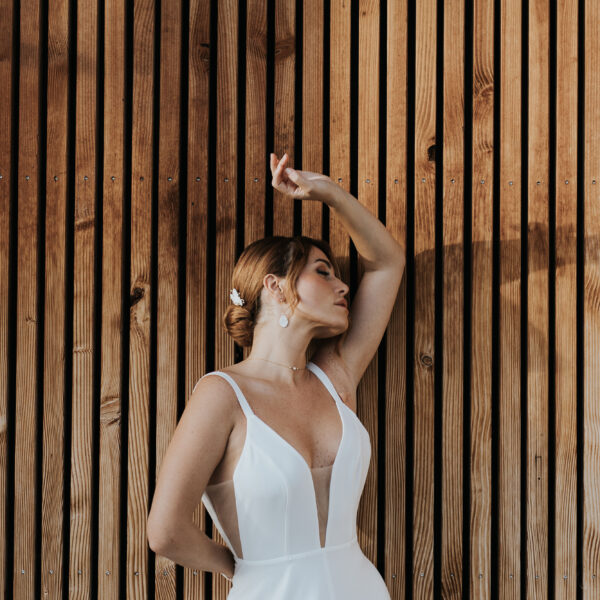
x=345 y=288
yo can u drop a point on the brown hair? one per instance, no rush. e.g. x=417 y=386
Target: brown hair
x=282 y=256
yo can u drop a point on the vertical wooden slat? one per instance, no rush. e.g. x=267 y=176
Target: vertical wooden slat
x=256 y=152
x=197 y=294
x=284 y=116
x=110 y=532
x=453 y=178
x=424 y=327
x=168 y=238
x=481 y=302
x=591 y=314
x=565 y=517
x=312 y=108
x=168 y=233
x=367 y=186
x=537 y=300
x=509 y=476
x=227 y=131
x=141 y=293
x=226 y=222
x=54 y=306
x=395 y=417
x=84 y=292
x=27 y=305
x=6 y=133
x=339 y=123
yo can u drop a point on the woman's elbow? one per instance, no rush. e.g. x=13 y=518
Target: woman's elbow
x=158 y=535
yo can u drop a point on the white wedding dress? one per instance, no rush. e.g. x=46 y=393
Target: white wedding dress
x=292 y=529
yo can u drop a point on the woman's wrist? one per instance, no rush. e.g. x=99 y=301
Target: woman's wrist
x=336 y=195
x=228 y=569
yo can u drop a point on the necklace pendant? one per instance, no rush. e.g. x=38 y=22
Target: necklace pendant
x=295 y=368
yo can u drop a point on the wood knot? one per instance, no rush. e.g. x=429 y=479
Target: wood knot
x=426 y=360
x=136 y=295
x=285 y=47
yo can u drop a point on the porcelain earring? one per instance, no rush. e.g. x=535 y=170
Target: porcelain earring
x=283 y=320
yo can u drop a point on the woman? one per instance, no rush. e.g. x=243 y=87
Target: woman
x=272 y=444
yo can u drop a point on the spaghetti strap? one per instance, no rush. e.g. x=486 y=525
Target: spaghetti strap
x=324 y=379
x=238 y=392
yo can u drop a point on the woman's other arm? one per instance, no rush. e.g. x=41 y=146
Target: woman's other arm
x=196 y=449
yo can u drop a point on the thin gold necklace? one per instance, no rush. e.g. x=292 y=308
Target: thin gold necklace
x=276 y=363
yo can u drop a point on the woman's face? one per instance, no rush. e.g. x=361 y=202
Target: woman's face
x=322 y=295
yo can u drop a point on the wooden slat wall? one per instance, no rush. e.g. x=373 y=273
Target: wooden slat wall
x=54 y=292
x=564 y=427
x=85 y=226
x=423 y=256
x=590 y=428
x=508 y=397
x=134 y=147
x=6 y=171
x=27 y=387
x=479 y=493
x=453 y=178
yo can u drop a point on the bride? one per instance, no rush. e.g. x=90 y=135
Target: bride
x=273 y=445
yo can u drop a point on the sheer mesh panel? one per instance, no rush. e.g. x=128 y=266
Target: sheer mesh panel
x=222 y=496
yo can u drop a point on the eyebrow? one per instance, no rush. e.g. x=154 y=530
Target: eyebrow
x=325 y=261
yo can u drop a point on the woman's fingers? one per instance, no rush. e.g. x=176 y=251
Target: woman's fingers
x=278 y=172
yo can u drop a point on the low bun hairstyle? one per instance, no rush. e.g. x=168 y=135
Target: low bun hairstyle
x=282 y=256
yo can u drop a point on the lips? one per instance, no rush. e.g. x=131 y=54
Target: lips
x=343 y=303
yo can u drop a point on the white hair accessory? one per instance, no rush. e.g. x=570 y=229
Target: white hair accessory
x=236 y=298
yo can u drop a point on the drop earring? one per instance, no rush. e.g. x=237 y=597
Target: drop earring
x=283 y=320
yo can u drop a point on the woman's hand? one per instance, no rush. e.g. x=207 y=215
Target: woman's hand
x=301 y=185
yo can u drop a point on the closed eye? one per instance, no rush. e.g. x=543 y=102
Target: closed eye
x=323 y=272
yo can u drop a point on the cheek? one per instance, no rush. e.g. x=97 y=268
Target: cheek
x=312 y=291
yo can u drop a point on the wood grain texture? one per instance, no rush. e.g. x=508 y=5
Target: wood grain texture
x=138 y=321
x=168 y=248
x=111 y=374
x=591 y=308
x=339 y=122
x=537 y=300
x=6 y=164
x=86 y=223
x=565 y=517
x=484 y=81
x=28 y=310
x=284 y=116
x=55 y=300
x=395 y=215
x=454 y=306
x=312 y=108
x=509 y=475
x=424 y=298
x=197 y=295
x=258 y=173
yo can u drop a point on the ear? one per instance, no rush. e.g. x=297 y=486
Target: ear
x=274 y=286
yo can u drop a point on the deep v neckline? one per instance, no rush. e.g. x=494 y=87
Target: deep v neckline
x=294 y=450
x=326 y=382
